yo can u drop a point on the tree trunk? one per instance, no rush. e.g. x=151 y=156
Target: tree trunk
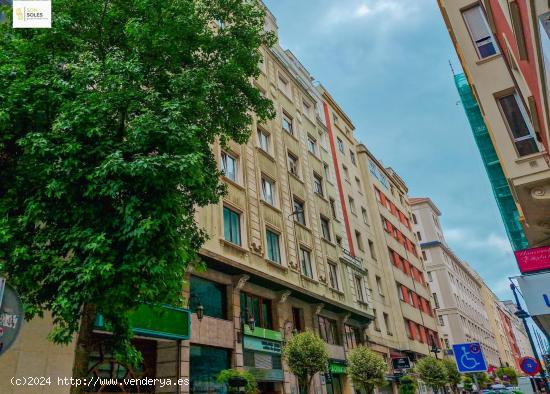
x=83 y=348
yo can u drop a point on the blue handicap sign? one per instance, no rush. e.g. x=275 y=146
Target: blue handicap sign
x=469 y=357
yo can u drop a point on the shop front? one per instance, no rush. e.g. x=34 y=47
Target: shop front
x=262 y=358
x=336 y=376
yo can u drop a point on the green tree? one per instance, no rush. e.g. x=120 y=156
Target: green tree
x=407 y=385
x=107 y=121
x=366 y=368
x=305 y=354
x=432 y=372
x=468 y=383
x=508 y=372
x=453 y=376
x=250 y=386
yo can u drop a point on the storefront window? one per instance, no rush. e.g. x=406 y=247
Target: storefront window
x=328 y=330
x=211 y=295
x=205 y=365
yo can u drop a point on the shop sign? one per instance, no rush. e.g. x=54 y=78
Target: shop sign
x=337 y=367
x=401 y=363
x=261 y=345
x=11 y=317
x=533 y=259
x=536 y=293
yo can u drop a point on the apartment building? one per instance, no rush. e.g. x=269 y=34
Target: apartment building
x=522 y=340
x=456 y=287
x=313 y=233
x=504 y=49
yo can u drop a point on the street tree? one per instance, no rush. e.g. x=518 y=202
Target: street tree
x=250 y=385
x=305 y=355
x=407 y=385
x=454 y=377
x=366 y=368
x=432 y=372
x=507 y=373
x=107 y=123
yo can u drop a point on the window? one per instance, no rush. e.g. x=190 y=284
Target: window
x=387 y=323
x=284 y=85
x=436 y=301
x=424 y=255
x=352 y=157
x=264 y=140
x=231 y=226
x=359 y=240
x=287 y=124
x=441 y=321
x=311 y=145
x=359 y=288
x=317 y=184
x=299 y=212
x=376 y=323
x=305 y=261
x=338 y=240
x=418 y=236
x=365 y=215
x=340 y=144
x=346 y=173
x=372 y=250
x=292 y=164
x=351 y=204
x=307 y=108
x=273 y=248
x=229 y=166
x=518 y=125
x=353 y=336
x=211 y=295
x=256 y=307
x=429 y=276
x=333 y=208
x=325 y=228
x=358 y=183
x=328 y=330
x=326 y=171
x=480 y=32
x=268 y=191
x=333 y=276
x=414 y=219
x=379 y=286
x=298 y=319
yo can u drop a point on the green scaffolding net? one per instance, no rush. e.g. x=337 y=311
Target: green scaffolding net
x=501 y=190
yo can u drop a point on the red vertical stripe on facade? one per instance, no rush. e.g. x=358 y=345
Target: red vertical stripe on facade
x=338 y=179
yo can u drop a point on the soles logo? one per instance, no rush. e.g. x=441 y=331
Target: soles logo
x=32 y=14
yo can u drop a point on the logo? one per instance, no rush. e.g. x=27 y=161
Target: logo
x=32 y=14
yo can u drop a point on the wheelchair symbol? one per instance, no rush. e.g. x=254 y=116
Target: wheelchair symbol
x=466 y=360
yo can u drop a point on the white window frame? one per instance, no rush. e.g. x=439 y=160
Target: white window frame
x=264 y=136
x=269 y=194
x=224 y=156
x=487 y=27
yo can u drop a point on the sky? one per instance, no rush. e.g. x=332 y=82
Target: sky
x=386 y=62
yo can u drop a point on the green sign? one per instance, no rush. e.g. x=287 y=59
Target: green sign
x=163 y=322
x=337 y=368
x=263 y=333
x=261 y=345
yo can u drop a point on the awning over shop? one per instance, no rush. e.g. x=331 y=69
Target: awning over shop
x=162 y=322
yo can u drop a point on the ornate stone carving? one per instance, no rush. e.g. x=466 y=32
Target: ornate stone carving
x=318 y=308
x=282 y=296
x=240 y=281
x=541 y=192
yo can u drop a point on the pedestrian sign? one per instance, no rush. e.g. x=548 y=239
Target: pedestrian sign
x=469 y=357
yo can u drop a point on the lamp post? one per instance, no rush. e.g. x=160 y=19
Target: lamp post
x=523 y=315
x=195 y=301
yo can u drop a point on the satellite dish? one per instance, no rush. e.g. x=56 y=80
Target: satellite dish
x=11 y=316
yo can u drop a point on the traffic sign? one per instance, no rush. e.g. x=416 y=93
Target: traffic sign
x=469 y=357
x=529 y=365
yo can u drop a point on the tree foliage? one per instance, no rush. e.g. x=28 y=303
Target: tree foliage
x=106 y=127
x=251 y=386
x=510 y=373
x=432 y=372
x=305 y=355
x=454 y=377
x=407 y=385
x=366 y=368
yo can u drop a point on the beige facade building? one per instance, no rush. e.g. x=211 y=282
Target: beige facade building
x=314 y=233
x=456 y=287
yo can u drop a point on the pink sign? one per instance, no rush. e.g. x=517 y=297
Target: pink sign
x=534 y=259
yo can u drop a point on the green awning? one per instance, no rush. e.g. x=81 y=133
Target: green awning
x=163 y=322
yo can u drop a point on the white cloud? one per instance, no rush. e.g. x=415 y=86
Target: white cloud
x=463 y=239
x=384 y=10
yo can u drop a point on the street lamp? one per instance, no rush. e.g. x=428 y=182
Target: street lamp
x=199 y=308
